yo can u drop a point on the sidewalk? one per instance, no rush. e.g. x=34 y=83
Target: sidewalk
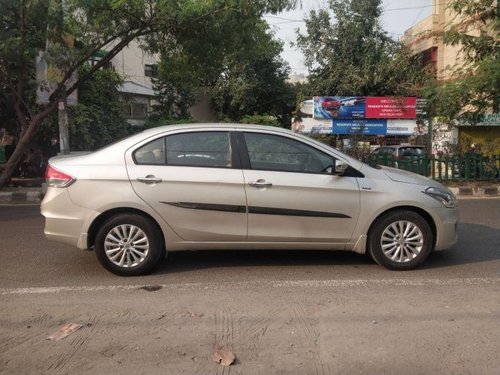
x=34 y=195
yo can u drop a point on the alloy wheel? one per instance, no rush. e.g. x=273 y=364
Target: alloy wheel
x=126 y=245
x=402 y=241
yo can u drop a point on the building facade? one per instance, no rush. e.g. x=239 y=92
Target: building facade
x=138 y=68
x=425 y=39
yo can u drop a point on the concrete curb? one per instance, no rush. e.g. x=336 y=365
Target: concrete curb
x=490 y=191
x=20 y=197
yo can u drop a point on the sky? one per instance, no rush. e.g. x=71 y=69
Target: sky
x=398 y=16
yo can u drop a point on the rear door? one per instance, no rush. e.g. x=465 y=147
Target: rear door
x=191 y=179
x=293 y=196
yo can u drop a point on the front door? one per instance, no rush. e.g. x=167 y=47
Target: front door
x=293 y=196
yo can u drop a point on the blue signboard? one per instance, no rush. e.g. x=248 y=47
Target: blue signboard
x=365 y=127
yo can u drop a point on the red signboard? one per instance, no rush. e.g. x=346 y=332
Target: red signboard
x=390 y=107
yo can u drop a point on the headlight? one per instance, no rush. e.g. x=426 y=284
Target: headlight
x=445 y=197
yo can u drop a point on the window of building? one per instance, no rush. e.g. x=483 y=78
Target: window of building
x=137 y=111
x=98 y=56
x=151 y=70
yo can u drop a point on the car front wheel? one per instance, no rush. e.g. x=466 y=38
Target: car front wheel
x=129 y=245
x=400 y=240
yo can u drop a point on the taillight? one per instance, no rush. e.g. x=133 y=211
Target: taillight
x=58 y=179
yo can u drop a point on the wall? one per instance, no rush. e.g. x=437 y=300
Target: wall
x=487 y=136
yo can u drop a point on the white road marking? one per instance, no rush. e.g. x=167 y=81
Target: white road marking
x=259 y=284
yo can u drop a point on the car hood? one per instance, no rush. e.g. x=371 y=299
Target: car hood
x=406 y=177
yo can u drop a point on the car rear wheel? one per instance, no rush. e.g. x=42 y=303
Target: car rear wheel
x=401 y=240
x=129 y=245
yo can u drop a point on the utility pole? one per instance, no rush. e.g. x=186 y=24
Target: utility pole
x=62 y=114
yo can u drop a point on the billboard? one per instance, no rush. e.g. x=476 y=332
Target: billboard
x=363 y=107
x=391 y=107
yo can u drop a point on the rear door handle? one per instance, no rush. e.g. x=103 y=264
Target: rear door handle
x=260 y=184
x=149 y=179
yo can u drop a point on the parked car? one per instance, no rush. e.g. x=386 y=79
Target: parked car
x=213 y=186
x=400 y=151
x=408 y=157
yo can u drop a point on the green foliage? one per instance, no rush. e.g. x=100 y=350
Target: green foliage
x=241 y=71
x=156 y=120
x=350 y=54
x=21 y=35
x=261 y=120
x=474 y=85
x=98 y=119
x=70 y=32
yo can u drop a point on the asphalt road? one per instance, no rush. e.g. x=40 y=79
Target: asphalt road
x=29 y=260
x=281 y=312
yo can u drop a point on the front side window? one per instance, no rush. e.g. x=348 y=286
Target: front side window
x=277 y=153
x=199 y=149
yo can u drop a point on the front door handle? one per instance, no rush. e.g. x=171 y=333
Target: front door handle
x=149 y=179
x=260 y=184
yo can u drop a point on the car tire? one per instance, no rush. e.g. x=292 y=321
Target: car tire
x=400 y=240
x=129 y=245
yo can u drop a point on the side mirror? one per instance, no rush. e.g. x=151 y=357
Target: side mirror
x=340 y=167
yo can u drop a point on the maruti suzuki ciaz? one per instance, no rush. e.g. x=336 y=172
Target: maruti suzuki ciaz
x=235 y=186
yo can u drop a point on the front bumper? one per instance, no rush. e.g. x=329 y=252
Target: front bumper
x=446 y=220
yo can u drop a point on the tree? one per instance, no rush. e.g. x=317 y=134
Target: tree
x=473 y=88
x=352 y=55
x=96 y=120
x=242 y=72
x=95 y=26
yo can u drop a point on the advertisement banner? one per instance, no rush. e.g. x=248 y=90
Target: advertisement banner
x=331 y=107
x=490 y=119
x=364 y=127
x=306 y=108
x=391 y=107
x=309 y=125
x=360 y=107
x=406 y=127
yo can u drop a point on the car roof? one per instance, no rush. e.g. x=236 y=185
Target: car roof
x=113 y=153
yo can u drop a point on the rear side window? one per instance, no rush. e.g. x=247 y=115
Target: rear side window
x=410 y=151
x=199 y=149
x=384 y=151
x=152 y=153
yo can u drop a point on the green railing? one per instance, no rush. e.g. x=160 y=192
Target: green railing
x=445 y=168
x=2 y=155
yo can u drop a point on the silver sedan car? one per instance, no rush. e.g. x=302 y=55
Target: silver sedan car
x=233 y=186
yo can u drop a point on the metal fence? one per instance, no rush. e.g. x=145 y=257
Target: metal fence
x=445 y=168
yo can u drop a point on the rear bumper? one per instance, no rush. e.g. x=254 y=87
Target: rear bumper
x=64 y=221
